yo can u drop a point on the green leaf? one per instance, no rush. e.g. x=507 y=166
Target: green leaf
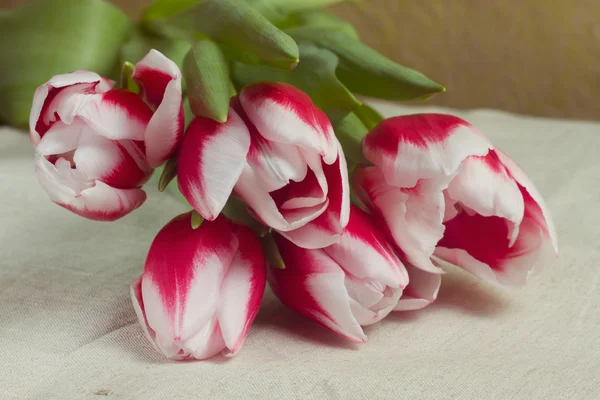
x=169 y=172
x=166 y=8
x=206 y=73
x=351 y=131
x=50 y=37
x=197 y=219
x=277 y=10
x=126 y=81
x=237 y=211
x=315 y=75
x=271 y=252
x=318 y=19
x=369 y=116
x=140 y=43
x=242 y=31
x=365 y=71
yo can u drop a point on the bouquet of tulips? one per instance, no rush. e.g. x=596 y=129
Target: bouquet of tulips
x=291 y=179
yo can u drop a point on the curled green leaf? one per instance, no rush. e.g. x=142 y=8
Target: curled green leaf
x=319 y=19
x=206 y=73
x=277 y=10
x=365 y=71
x=242 y=31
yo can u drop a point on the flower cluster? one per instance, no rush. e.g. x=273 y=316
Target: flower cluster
x=431 y=190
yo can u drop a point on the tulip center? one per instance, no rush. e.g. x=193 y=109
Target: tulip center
x=68 y=156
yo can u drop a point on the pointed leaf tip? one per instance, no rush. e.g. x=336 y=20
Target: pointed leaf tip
x=168 y=174
x=241 y=30
x=196 y=219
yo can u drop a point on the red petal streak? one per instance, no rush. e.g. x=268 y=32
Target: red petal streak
x=177 y=254
x=417 y=129
x=242 y=290
x=484 y=238
x=152 y=84
x=291 y=286
x=42 y=127
x=127 y=174
x=130 y=101
x=308 y=188
x=285 y=114
x=211 y=159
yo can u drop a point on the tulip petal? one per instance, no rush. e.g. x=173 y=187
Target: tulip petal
x=90 y=199
x=242 y=290
x=153 y=74
x=166 y=127
x=118 y=164
x=535 y=207
x=284 y=114
x=60 y=138
x=264 y=208
x=274 y=164
x=43 y=111
x=363 y=251
x=421 y=291
x=413 y=217
x=159 y=80
x=422 y=146
x=210 y=162
x=328 y=226
x=135 y=291
x=207 y=343
x=116 y=114
x=484 y=186
x=183 y=275
x=481 y=246
x=315 y=289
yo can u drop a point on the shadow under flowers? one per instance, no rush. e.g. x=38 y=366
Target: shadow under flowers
x=463 y=292
x=275 y=317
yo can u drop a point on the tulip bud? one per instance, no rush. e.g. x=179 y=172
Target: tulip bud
x=201 y=288
x=354 y=282
x=95 y=145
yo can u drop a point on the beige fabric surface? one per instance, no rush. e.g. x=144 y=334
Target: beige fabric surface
x=68 y=331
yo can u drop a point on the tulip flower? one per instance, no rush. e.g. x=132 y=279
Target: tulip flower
x=96 y=145
x=442 y=188
x=421 y=291
x=278 y=153
x=355 y=282
x=201 y=288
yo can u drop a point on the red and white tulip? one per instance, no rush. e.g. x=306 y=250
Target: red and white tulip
x=201 y=288
x=278 y=153
x=355 y=282
x=442 y=189
x=96 y=145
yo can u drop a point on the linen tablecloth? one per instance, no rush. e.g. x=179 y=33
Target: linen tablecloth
x=68 y=330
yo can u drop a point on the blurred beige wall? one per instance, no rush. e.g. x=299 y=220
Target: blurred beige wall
x=537 y=57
